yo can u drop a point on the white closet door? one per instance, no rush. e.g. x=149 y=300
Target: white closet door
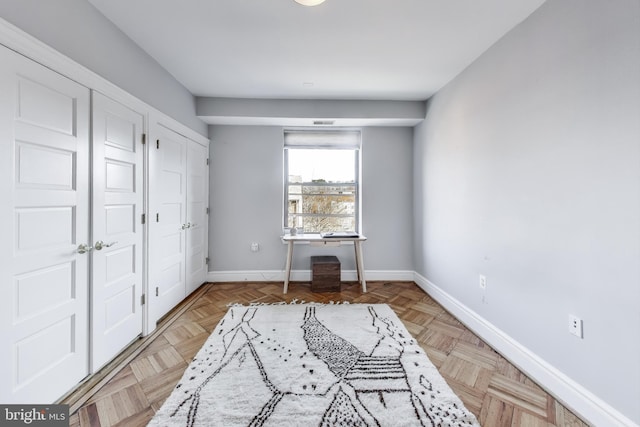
x=117 y=206
x=44 y=155
x=167 y=221
x=197 y=219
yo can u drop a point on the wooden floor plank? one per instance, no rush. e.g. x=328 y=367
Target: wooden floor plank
x=496 y=413
x=491 y=387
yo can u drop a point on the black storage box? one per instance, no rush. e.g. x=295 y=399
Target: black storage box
x=325 y=274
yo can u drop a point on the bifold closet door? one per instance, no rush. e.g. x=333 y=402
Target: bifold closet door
x=167 y=221
x=197 y=218
x=44 y=176
x=118 y=234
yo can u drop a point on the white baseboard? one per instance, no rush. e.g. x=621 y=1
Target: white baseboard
x=304 y=275
x=584 y=403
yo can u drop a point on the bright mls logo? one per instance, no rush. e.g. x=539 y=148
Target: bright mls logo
x=34 y=415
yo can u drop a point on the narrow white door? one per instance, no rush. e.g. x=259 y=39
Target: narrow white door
x=44 y=176
x=197 y=218
x=167 y=222
x=117 y=207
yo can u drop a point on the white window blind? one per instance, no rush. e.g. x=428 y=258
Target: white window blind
x=342 y=139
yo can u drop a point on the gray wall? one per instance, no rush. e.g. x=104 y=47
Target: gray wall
x=246 y=200
x=527 y=170
x=76 y=29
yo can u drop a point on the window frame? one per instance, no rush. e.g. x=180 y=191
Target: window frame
x=334 y=141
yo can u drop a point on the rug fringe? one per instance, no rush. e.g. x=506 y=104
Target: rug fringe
x=293 y=302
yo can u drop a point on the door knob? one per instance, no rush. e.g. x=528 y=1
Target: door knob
x=100 y=244
x=83 y=248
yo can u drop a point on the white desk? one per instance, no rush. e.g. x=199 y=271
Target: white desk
x=316 y=239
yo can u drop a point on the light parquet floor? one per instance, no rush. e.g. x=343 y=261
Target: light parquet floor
x=493 y=389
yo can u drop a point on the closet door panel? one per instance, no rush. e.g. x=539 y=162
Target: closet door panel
x=167 y=221
x=117 y=202
x=197 y=218
x=44 y=175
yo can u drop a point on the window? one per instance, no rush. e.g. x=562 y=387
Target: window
x=321 y=180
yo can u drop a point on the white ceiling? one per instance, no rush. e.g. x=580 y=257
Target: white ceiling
x=341 y=49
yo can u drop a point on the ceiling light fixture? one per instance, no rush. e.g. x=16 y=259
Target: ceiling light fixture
x=309 y=2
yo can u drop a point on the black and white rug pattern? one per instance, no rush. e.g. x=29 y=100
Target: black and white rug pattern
x=312 y=365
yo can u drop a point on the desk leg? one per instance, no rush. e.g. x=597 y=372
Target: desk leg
x=360 y=265
x=358 y=273
x=287 y=269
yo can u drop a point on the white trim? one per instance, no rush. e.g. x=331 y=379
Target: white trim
x=25 y=44
x=389 y=275
x=584 y=403
x=304 y=275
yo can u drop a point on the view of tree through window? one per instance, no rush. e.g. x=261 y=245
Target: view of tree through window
x=321 y=189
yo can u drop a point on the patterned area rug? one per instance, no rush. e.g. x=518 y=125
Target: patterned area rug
x=312 y=365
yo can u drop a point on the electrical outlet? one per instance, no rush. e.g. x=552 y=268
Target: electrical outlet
x=483 y=282
x=255 y=247
x=575 y=326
